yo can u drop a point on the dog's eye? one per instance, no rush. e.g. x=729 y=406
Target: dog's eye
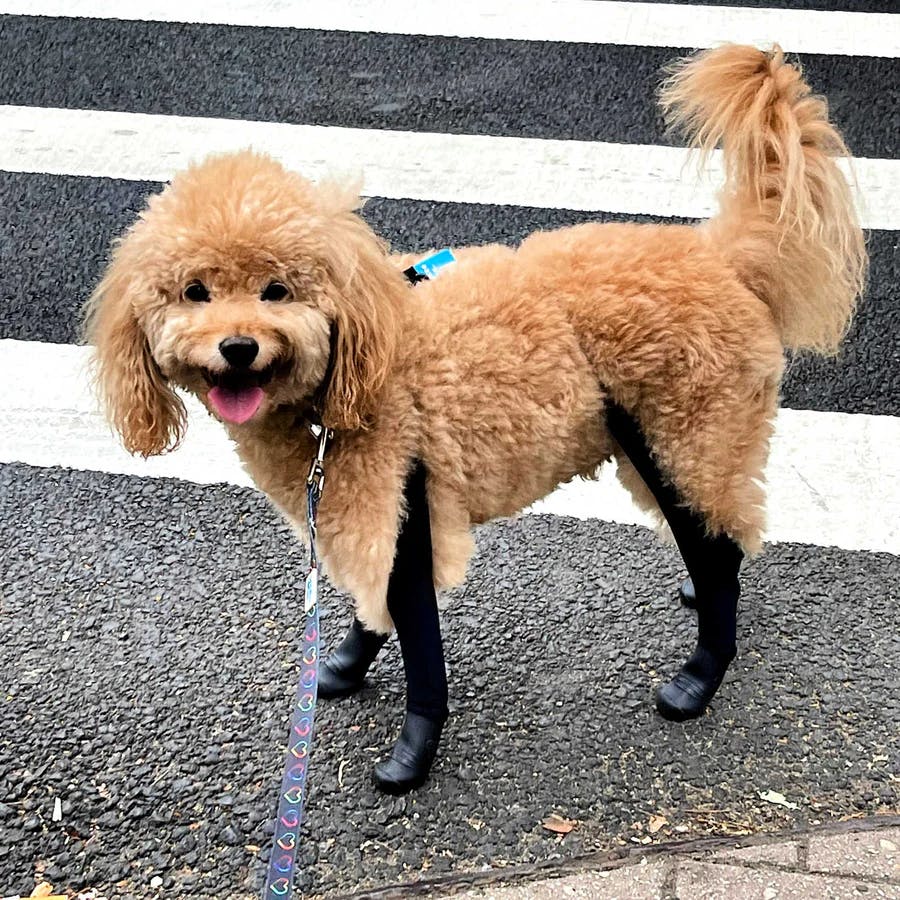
x=275 y=290
x=196 y=292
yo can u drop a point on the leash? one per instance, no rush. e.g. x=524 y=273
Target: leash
x=283 y=859
x=289 y=817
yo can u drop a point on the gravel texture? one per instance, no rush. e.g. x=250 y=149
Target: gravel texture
x=149 y=636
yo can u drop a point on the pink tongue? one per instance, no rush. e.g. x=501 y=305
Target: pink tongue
x=236 y=405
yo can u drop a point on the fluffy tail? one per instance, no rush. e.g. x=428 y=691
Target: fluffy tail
x=787 y=222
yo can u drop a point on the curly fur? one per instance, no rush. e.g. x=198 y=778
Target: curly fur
x=496 y=374
x=801 y=249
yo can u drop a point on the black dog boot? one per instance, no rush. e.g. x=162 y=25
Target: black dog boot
x=343 y=672
x=687 y=594
x=410 y=761
x=688 y=694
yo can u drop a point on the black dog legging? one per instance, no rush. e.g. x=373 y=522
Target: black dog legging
x=713 y=562
x=412 y=604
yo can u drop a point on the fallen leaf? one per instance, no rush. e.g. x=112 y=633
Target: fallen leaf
x=777 y=799
x=45 y=891
x=657 y=822
x=558 y=825
x=251 y=848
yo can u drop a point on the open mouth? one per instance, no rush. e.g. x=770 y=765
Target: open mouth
x=235 y=396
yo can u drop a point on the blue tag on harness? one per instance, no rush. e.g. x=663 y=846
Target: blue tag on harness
x=431 y=266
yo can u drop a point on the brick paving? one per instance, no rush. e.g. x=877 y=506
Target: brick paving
x=860 y=861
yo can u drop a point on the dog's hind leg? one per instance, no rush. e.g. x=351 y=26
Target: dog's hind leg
x=413 y=607
x=713 y=563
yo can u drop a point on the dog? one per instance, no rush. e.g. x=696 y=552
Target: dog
x=472 y=395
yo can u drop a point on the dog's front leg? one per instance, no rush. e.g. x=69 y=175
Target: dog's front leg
x=343 y=671
x=413 y=607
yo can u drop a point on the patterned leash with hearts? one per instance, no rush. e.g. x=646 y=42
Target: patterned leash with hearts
x=283 y=859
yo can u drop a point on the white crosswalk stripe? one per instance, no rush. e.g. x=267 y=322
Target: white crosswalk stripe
x=581 y=21
x=834 y=498
x=579 y=175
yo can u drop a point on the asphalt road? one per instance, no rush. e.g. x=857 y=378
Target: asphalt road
x=147 y=637
x=152 y=629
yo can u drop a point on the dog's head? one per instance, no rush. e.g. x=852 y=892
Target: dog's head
x=238 y=283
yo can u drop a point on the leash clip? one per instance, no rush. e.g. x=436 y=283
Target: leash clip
x=316 y=477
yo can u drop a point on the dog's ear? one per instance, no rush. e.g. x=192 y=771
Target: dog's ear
x=369 y=292
x=139 y=403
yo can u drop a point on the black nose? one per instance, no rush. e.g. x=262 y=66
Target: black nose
x=239 y=351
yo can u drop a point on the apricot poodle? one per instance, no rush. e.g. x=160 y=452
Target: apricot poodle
x=472 y=395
